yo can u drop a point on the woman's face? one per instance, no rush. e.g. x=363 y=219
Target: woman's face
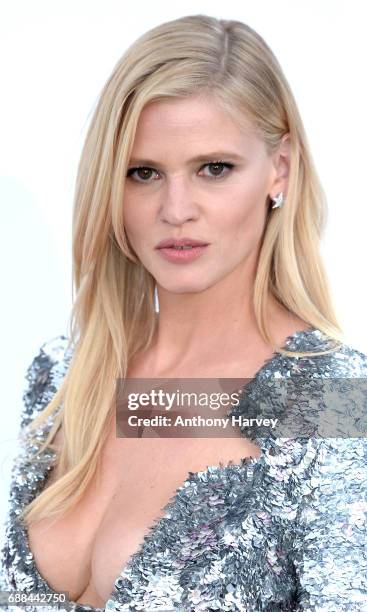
x=174 y=196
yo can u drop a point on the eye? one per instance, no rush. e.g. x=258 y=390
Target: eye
x=144 y=170
x=142 y=174
x=218 y=165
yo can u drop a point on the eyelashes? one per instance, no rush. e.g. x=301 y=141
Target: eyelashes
x=131 y=172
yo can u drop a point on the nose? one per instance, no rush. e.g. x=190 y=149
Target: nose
x=178 y=204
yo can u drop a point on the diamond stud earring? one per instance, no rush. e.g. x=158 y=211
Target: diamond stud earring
x=278 y=200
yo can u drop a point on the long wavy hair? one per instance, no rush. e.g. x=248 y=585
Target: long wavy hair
x=113 y=315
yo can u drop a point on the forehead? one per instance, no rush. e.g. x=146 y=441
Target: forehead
x=195 y=120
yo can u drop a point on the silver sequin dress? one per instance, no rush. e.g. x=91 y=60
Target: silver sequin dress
x=286 y=531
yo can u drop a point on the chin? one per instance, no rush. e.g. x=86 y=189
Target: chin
x=177 y=286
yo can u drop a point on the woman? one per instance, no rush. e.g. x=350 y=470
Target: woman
x=196 y=137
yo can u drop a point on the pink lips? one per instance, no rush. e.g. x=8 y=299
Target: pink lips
x=182 y=255
x=170 y=242
x=167 y=249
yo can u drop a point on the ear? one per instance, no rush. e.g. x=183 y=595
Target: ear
x=281 y=160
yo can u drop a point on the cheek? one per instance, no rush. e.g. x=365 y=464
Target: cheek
x=242 y=222
x=134 y=221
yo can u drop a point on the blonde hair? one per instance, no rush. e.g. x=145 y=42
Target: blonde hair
x=113 y=315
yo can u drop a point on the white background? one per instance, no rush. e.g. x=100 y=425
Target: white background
x=55 y=57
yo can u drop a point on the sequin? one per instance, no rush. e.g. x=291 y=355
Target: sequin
x=286 y=531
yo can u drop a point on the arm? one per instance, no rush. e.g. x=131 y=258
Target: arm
x=43 y=376
x=329 y=550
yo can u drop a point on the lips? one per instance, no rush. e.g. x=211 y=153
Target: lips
x=171 y=243
x=182 y=254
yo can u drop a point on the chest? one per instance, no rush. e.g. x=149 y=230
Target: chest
x=84 y=552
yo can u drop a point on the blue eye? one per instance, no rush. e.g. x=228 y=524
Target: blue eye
x=144 y=178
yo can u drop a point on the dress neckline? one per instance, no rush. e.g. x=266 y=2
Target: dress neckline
x=292 y=342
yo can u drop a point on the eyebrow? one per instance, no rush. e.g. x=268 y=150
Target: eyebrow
x=198 y=158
